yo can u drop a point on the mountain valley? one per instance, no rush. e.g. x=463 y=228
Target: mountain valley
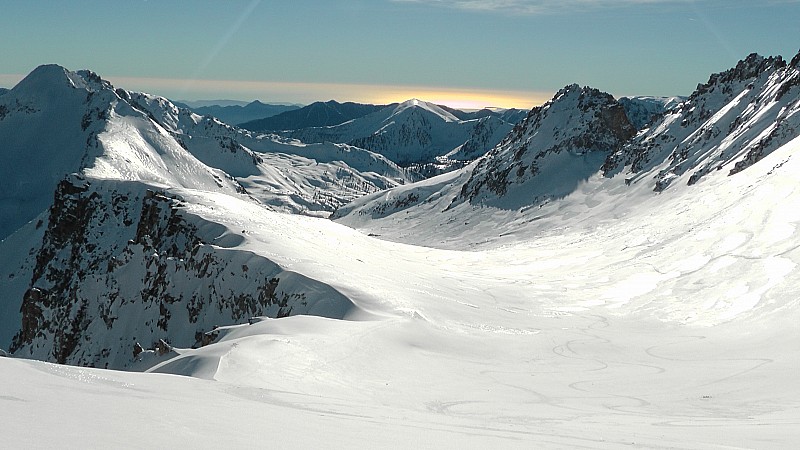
x=592 y=273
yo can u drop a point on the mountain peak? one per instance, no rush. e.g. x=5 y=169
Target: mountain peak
x=417 y=104
x=49 y=79
x=47 y=74
x=750 y=67
x=567 y=135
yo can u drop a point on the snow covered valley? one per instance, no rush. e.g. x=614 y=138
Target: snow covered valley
x=607 y=316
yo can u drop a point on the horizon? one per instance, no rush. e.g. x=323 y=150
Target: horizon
x=463 y=54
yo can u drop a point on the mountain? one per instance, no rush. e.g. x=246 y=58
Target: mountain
x=728 y=124
x=557 y=146
x=580 y=148
x=56 y=122
x=511 y=115
x=545 y=157
x=3 y=91
x=318 y=114
x=236 y=114
x=102 y=249
x=641 y=111
x=413 y=132
x=286 y=175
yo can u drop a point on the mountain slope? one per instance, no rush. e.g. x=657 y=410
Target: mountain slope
x=287 y=175
x=545 y=158
x=56 y=122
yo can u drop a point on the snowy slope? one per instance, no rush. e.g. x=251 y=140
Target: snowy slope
x=729 y=123
x=546 y=157
x=413 y=132
x=121 y=263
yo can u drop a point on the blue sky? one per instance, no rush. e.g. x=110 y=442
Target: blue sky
x=491 y=52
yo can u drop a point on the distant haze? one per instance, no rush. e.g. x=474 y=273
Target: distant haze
x=464 y=54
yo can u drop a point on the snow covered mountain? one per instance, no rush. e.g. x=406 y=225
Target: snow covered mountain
x=285 y=174
x=414 y=132
x=730 y=122
x=95 y=225
x=55 y=122
x=547 y=156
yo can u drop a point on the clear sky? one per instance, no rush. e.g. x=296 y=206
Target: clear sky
x=461 y=52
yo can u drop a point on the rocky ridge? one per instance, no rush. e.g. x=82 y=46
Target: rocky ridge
x=727 y=124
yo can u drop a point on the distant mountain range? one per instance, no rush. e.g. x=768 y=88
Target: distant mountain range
x=317 y=114
x=412 y=133
x=581 y=149
x=231 y=113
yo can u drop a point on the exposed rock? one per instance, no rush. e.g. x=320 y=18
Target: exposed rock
x=116 y=251
x=567 y=131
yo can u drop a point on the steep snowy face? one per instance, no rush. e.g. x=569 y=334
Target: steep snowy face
x=414 y=132
x=56 y=122
x=735 y=119
x=557 y=146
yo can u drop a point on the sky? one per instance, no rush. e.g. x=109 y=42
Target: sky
x=463 y=53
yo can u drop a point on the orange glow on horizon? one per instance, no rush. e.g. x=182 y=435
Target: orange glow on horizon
x=305 y=92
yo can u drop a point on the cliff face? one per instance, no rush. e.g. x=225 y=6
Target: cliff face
x=121 y=267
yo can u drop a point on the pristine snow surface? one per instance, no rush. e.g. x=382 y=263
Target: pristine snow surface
x=611 y=316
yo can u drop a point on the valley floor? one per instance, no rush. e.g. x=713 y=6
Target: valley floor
x=575 y=381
